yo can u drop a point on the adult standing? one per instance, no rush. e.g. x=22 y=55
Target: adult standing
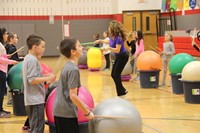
x=117 y=38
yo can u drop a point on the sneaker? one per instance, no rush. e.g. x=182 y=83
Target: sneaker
x=137 y=78
x=161 y=85
x=7 y=112
x=106 y=69
x=123 y=95
x=25 y=129
x=5 y=115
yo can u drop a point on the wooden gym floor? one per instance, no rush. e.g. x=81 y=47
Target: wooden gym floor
x=160 y=109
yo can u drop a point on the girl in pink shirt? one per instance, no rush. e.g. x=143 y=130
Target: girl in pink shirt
x=4 y=61
x=139 y=49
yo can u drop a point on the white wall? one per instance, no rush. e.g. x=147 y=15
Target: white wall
x=56 y=7
x=73 y=7
x=124 y=5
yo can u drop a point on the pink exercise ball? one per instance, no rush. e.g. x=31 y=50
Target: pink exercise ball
x=83 y=94
x=45 y=69
x=86 y=97
x=49 y=106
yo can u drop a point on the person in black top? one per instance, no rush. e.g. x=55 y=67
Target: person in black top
x=11 y=48
x=131 y=44
x=96 y=37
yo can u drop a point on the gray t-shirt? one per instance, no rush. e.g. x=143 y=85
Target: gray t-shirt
x=168 y=48
x=33 y=94
x=69 y=79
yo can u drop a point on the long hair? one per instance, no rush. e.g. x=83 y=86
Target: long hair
x=2 y=32
x=117 y=29
x=140 y=36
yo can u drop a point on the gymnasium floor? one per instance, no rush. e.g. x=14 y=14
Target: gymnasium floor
x=160 y=109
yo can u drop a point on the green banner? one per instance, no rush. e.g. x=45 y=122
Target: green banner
x=173 y=4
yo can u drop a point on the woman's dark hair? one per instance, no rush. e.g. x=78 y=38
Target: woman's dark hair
x=33 y=40
x=66 y=45
x=2 y=32
x=140 y=36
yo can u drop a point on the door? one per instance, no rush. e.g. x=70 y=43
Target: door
x=149 y=29
x=144 y=21
x=131 y=23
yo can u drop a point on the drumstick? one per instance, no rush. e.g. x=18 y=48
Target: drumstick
x=129 y=34
x=59 y=63
x=154 y=49
x=16 y=51
x=159 y=49
x=110 y=117
x=87 y=43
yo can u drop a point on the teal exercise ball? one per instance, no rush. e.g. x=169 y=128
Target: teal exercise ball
x=177 y=62
x=15 y=78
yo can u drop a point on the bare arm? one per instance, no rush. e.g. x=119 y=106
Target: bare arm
x=38 y=80
x=77 y=101
x=116 y=49
x=106 y=41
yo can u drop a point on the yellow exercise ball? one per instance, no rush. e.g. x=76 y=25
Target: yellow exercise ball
x=94 y=58
x=191 y=71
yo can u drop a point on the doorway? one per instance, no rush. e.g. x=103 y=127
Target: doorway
x=144 y=21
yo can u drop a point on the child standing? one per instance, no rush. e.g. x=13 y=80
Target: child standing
x=4 y=61
x=106 y=52
x=67 y=100
x=10 y=49
x=168 y=52
x=139 y=49
x=131 y=44
x=34 y=92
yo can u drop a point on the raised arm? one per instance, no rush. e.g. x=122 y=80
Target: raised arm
x=106 y=41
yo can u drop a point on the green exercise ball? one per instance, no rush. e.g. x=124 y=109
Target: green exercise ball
x=178 y=62
x=15 y=78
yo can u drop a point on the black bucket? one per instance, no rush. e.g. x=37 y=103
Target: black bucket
x=83 y=127
x=149 y=79
x=191 y=91
x=18 y=103
x=177 y=85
